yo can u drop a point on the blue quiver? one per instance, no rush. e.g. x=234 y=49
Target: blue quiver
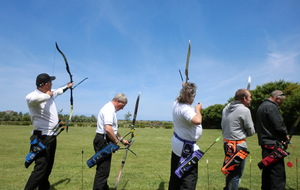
x=36 y=148
x=100 y=155
x=189 y=162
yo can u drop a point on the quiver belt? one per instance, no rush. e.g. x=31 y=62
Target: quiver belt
x=277 y=154
x=36 y=146
x=233 y=157
x=103 y=153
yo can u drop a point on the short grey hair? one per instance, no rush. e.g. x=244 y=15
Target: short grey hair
x=277 y=93
x=120 y=97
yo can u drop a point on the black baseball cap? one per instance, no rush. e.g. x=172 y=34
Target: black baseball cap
x=43 y=78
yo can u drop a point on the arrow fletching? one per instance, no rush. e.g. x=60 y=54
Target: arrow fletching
x=218 y=138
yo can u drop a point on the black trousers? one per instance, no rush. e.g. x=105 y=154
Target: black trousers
x=39 y=177
x=188 y=181
x=273 y=176
x=103 y=168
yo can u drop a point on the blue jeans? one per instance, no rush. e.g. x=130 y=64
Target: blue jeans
x=233 y=179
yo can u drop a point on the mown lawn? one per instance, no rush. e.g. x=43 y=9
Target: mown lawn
x=148 y=171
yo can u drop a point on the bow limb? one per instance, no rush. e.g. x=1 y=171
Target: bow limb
x=132 y=129
x=71 y=89
x=136 y=109
x=134 y=117
x=187 y=62
x=249 y=83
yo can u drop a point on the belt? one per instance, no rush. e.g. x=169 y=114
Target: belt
x=37 y=132
x=236 y=141
x=183 y=140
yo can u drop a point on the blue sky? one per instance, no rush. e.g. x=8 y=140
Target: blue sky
x=134 y=46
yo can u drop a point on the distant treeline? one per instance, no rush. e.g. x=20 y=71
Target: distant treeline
x=212 y=115
x=18 y=118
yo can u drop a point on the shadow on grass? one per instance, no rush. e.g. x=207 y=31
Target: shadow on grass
x=66 y=181
x=287 y=188
x=63 y=181
x=161 y=186
x=290 y=188
x=123 y=188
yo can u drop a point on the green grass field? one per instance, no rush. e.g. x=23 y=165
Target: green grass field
x=148 y=171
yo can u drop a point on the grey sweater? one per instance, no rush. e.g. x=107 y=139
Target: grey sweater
x=237 y=123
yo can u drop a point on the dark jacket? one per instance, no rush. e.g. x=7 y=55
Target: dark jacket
x=269 y=124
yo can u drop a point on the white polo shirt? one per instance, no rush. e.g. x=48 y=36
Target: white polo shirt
x=107 y=116
x=43 y=110
x=183 y=127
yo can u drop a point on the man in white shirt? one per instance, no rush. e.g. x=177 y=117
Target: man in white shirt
x=44 y=118
x=106 y=132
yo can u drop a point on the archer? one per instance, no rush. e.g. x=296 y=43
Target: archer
x=107 y=133
x=44 y=118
